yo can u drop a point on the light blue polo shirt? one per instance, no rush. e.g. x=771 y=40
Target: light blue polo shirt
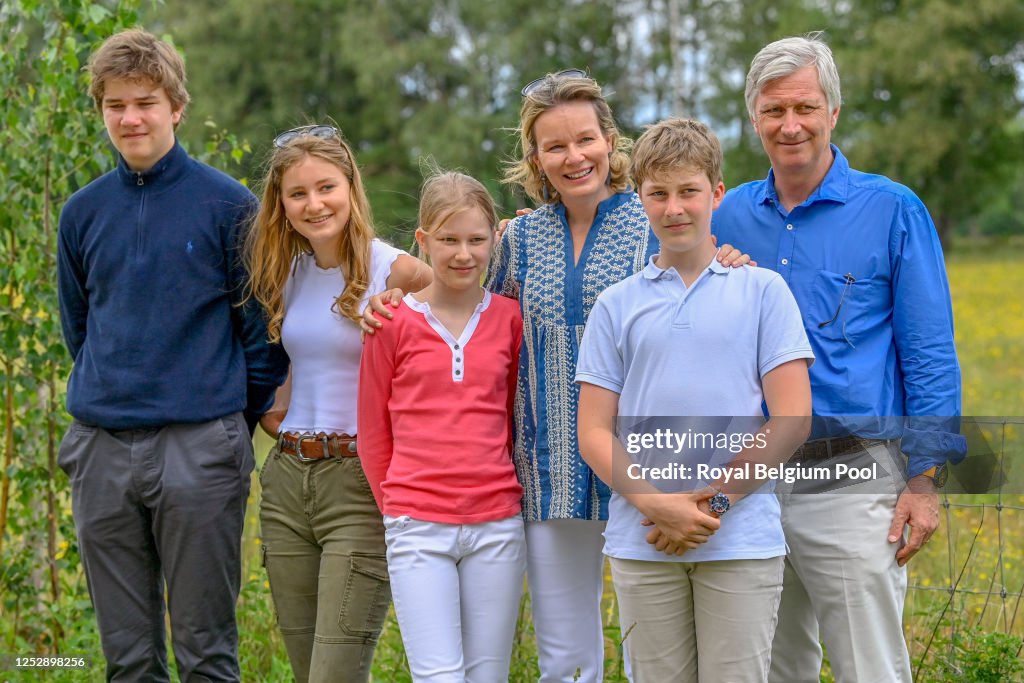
x=677 y=351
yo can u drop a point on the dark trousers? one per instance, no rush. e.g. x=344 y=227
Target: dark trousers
x=156 y=506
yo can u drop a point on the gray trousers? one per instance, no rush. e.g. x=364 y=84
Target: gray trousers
x=154 y=507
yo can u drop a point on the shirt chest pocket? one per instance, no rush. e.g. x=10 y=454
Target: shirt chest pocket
x=845 y=308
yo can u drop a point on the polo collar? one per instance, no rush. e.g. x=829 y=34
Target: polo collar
x=424 y=307
x=652 y=272
x=835 y=186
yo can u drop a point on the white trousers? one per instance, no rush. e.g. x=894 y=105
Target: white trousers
x=456 y=590
x=565 y=574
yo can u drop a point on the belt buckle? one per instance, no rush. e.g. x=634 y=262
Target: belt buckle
x=306 y=436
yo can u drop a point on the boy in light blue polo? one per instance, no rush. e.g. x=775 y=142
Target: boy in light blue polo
x=684 y=338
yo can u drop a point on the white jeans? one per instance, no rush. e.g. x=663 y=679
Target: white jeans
x=456 y=590
x=565 y=573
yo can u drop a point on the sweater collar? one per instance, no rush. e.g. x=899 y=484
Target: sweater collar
x=171 y=167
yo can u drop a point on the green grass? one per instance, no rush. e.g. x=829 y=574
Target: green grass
x=977 y=549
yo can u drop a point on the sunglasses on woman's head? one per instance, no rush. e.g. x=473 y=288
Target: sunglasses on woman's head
x=316 y=130
x=564 y=73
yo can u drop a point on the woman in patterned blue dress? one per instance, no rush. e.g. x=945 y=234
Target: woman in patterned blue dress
x=589 y=232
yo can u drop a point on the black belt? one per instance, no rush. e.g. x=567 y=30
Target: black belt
x=823 y=449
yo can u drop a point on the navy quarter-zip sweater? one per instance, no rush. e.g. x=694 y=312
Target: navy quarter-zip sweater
x=148 y=275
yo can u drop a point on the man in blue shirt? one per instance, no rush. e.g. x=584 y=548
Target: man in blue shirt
x=863 y=260
x=170 y=374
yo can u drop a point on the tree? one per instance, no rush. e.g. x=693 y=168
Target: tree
x=49 y=141
x=934 y=107
x=404 y=79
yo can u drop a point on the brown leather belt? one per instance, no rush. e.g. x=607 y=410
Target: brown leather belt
x=308 y=446
x=823 y=449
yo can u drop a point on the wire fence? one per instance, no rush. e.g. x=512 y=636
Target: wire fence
x=966 y=587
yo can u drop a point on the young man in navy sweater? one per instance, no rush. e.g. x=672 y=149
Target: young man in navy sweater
x=169 y=375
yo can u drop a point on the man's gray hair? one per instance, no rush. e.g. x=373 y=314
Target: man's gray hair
x=788 y=55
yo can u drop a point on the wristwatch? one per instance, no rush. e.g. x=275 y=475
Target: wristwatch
x=937 y=474
x=720 y=503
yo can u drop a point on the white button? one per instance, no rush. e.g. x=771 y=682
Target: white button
x=785 y=261
x=789 y=227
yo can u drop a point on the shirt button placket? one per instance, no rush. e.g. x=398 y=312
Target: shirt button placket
x=457 y=365
x=787 y=245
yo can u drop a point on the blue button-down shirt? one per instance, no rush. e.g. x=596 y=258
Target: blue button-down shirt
x=863 y=259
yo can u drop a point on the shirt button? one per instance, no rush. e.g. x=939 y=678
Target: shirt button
x=458 y=359
x=456 y=347
x=785 y=261
x=458 y=372
x=789 y=227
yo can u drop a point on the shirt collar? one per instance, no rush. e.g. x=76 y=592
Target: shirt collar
x=835 y=187
x=652 y=272
x=424 y=307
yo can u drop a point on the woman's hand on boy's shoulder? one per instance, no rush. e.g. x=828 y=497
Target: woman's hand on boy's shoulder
x=380 y=303
x=731 y=257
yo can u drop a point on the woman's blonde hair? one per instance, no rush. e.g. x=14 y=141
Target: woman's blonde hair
x=272 y=245
x=446 y=193
x=554 y=91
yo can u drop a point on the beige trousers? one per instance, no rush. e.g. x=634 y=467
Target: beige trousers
x=842 y=584
x=698 y=621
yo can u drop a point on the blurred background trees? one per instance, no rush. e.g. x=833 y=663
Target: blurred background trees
x=932 y=88
x=933 y=97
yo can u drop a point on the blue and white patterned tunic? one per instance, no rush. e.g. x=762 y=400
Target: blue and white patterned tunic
x=534 y=264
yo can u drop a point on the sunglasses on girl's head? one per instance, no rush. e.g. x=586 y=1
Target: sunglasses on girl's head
x=316 y=130
x=564 y=73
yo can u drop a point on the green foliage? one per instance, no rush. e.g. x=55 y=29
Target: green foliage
x=403 y=78
x=933 y=107
x=49 y=138
x=976 y=656
x=936 y=108
x=1003 y=216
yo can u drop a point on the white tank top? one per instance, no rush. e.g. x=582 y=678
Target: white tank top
x=324 y=346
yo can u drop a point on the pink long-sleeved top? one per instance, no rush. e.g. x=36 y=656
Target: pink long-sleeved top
x=435 y=414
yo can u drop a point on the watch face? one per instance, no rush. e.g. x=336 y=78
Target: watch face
x=719 y=503
x=941 y=474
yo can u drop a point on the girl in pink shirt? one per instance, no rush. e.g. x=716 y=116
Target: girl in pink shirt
x=436 y=389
